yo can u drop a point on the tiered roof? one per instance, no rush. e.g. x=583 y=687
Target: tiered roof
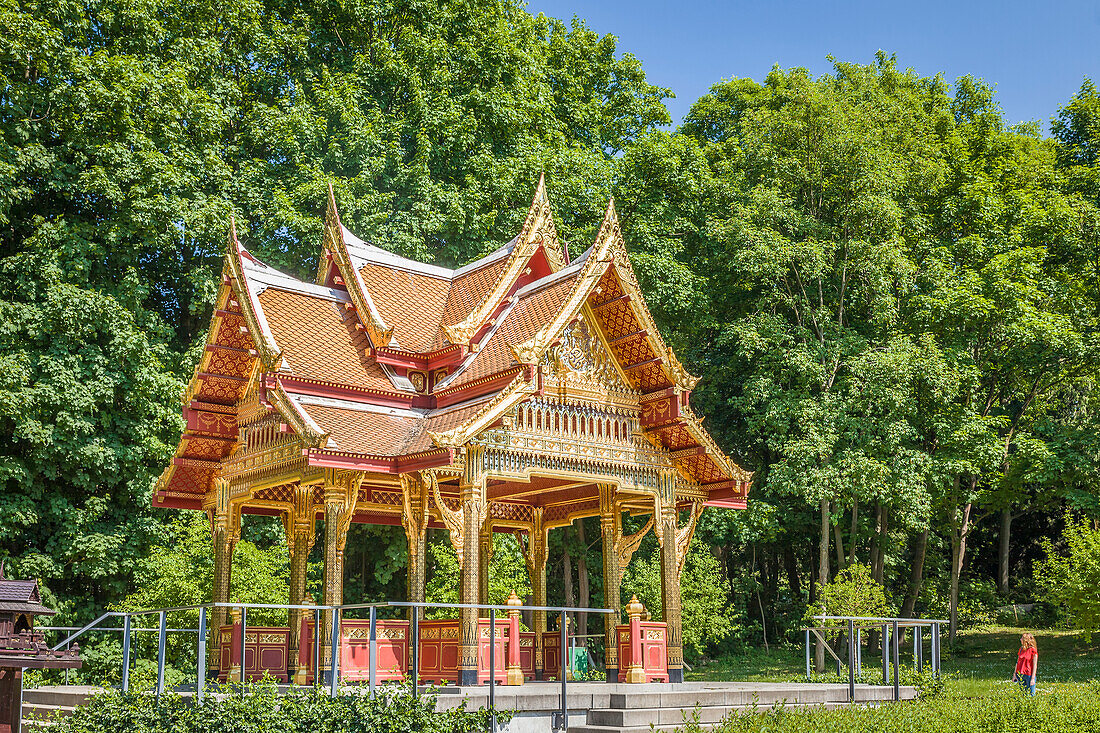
x=390 y=365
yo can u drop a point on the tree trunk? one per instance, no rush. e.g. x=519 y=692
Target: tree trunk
x=876 y=543
x=852 y=542
x=582 y=580
x=958 y=557
x=916 y=575
x=793 y=582
x=567 y=571
x=822 y=575
x=840 y=564
x=1002 y=555
x=813 y=576
x=878 y=573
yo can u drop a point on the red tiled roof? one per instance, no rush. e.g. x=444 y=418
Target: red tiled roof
x=375 y=433
x=410 y=302
x=534 y=309
x=316 y=342
x=467 y=292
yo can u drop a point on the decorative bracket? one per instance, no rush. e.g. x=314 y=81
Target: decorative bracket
x=685 y=533
x=451 y=519
x=533 y=546
x=627 y=545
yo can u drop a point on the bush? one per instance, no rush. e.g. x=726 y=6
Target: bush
x=853 y=592
x=1071 y=581
x=704 y=591
x=264 y=711
x=1008 y=710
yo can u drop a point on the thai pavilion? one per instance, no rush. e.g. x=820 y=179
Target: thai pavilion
x=515 y=394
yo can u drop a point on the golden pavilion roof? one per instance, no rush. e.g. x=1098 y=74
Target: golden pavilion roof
x=388 y=365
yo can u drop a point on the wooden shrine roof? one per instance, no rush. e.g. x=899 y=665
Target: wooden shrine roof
x=389 y=365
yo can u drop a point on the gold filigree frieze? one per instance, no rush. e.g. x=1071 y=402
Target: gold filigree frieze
x=579 y=366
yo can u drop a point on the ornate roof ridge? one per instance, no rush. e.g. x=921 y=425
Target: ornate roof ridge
x=538 y=232
x=375 y=255
x=253 y=312
x=379 y=333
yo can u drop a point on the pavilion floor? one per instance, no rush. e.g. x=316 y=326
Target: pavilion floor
x=594 y=707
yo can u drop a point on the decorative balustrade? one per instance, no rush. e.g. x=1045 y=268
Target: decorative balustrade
x=643 y=647
x=265 y=652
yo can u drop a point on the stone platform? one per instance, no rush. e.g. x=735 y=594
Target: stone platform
x=594 y=707
x=598 y=707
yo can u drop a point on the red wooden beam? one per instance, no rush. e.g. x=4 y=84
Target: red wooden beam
x=643 y=363
x=628 y=336
x=321 y=388
x=620 y=299
x=478 y=387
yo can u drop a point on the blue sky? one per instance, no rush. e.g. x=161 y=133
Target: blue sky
x=1034 y=53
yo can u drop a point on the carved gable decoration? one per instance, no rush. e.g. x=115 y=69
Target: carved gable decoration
x=581 y=366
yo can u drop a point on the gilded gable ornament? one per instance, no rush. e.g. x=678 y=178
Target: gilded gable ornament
x=579 y=362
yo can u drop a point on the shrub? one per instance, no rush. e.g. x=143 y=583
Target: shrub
x=1008 y=710
x=1071 y=581
x=853 y=592
x=704 y=591
x=264 y=711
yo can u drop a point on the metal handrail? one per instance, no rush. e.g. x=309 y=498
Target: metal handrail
x=562 y=716
x=892 y=629
x=881 y=619
x=84 y=628
x=105 y=628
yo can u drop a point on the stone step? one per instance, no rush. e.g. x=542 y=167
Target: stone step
x=37 y=716
x=67 y=695
x=633 y=729
x=673 y=719
x=746 y=696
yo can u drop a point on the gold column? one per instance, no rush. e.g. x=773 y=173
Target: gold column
x=471 y=491
x=341 y=492
x=610 y=532
x=300 y=526
x=534 y=555
x=225 y=525
x=414 y=518
x=665 y=507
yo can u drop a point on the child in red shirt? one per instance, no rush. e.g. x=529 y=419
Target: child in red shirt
x=1027 y=663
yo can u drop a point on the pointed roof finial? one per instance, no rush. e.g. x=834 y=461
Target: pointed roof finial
x=540 y=190
x=333 y=214
x=2 y=563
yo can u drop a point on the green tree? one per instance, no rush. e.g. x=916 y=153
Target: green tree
x=134 y=131
x=88 y=417
x=704 y=596
x=129 y=134
x=1070 y=575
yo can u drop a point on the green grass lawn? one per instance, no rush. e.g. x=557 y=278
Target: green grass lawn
x=980 y=661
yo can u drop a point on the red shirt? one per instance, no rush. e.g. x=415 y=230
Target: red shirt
x=1025 y=661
